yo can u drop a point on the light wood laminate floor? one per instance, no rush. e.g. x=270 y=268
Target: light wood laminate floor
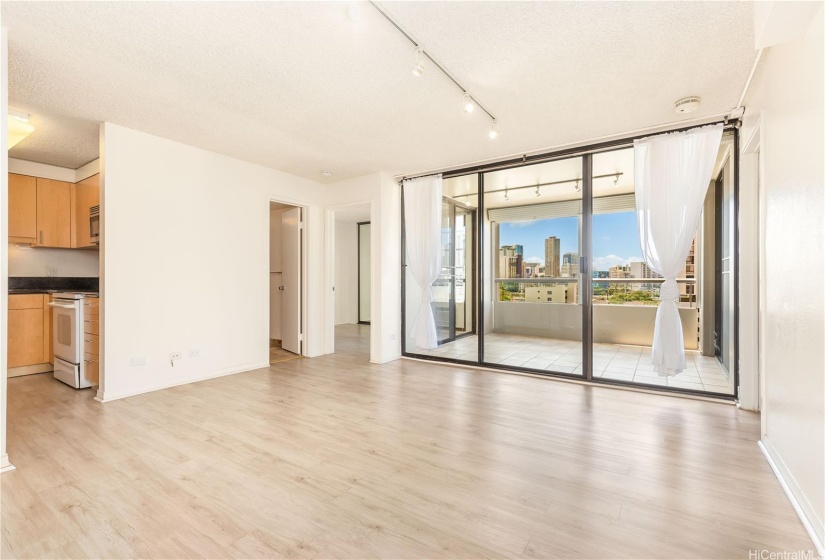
x=334 y=457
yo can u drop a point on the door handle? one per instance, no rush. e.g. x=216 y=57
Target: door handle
x=281 y=288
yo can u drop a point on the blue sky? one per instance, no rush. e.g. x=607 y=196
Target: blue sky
x=615 y=237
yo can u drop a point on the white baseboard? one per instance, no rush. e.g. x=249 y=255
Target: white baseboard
x=5 y=466
x=107 y=396
x=797 y=498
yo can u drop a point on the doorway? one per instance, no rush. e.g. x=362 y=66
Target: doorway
x=350 y=279
x=286 y=242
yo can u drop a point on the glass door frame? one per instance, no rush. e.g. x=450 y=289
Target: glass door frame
x=453 y=205
x=585 y=266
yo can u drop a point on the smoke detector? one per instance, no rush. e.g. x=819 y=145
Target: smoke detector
x=687 y=104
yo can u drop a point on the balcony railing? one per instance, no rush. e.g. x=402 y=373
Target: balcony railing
x=606 y=291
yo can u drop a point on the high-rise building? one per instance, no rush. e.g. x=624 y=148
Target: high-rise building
x=552 y=293
x=510 y=267
x=552 y=253
x=531 y=269
x=619 y=271
x=570 y=265
x=639 y=269
x=600 y=274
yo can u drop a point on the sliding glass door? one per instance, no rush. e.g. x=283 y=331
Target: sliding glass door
x=543 y=273
x=534 y=319
x=454 y=292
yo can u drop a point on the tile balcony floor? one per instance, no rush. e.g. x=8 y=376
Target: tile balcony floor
x=611 y=361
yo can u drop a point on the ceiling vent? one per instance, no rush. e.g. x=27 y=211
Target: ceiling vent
x=687 y=104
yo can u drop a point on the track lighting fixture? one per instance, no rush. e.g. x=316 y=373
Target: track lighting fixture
x=616 y=181
x=468 y=103
x=506 y=194
x=418 y=68
x=538 y=191
x=576 y=186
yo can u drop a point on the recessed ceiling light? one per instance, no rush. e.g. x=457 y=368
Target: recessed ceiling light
x=354 y=11
x=687 y=104
x=326 y=173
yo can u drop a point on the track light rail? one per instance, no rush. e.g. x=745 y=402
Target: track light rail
x=538 y=185
x=438 y=65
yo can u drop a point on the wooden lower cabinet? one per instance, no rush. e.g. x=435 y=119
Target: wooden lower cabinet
x=91 y=339
x=29 y=334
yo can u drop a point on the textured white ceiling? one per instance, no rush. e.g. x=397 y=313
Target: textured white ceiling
x=300 y=87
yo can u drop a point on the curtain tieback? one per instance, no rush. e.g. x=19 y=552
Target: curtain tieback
x=669 y=290
x=427 y=295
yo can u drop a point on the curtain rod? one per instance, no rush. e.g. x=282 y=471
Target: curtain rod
x=525 y=160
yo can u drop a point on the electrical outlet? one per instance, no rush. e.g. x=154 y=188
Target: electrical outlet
x=51 y=271
x=175 y=356
x=194 y=353
x=137 y=362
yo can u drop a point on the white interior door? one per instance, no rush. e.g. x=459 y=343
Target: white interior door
x=291 y=274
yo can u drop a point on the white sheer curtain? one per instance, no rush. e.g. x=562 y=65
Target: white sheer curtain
x=422 y=218
x=672 y=172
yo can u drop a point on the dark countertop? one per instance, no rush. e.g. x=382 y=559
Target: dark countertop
x=51 y=284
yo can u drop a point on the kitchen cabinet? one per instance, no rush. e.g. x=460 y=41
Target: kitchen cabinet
x=54 y=213
x=22 y=208
x=86 y=195
x=91 y=339
x=29 y=330
x=49 y=213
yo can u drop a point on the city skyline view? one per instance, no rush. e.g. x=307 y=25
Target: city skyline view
x=615 y=238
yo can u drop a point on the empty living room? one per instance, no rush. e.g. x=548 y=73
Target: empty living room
x=412 y=280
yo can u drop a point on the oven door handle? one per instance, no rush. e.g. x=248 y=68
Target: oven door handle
x=61 y=305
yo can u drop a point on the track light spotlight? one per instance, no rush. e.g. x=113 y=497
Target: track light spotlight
x=576 y=186
x=506 y=194
x=494 y=130
x=538 y=191
x=468 y=103
x=418 y=68
x=616 y=181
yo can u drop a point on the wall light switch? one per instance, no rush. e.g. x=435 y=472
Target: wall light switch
x=137 y=362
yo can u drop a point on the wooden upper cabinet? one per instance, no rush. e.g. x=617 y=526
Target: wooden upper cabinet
x=22 y=208
x=86 y=195
x=54 y=213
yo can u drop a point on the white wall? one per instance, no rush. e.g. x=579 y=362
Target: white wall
x=30 y=261
x=4 y=238
x=185 y=261
x=383 y=195
x=787 y=98
x=346 y=272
